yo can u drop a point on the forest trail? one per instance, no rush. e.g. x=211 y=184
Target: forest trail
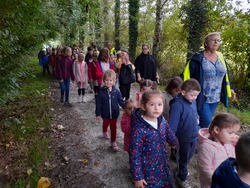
x=83 y=159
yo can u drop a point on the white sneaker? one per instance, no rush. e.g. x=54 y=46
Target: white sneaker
x=83 y=98
x=184 y=184
x=79 y=99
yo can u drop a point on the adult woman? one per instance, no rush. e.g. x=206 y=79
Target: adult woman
x=145 y=65
x=209 y=68
x=126 y=75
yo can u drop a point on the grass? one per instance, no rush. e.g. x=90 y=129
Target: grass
x=25 y=123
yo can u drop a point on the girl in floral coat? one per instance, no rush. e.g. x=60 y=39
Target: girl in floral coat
x=150 y=133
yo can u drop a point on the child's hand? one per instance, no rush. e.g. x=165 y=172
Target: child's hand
x=98 y=118
x=140 y=183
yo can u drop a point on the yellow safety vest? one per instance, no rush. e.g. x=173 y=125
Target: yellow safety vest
x=186 y=73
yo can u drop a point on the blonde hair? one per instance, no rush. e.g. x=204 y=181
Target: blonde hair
x=208 y=37
x=109 y=73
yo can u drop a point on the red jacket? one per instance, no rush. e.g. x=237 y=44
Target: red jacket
x=92 y=70
x=100 y=72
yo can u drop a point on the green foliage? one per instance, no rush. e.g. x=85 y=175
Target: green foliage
x=24 y=122
x=195 y=17
x=133 y=27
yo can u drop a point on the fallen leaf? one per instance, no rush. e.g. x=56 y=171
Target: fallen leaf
x=29 y=171
x=60 y=127
x=84 y=161
x=7 y=145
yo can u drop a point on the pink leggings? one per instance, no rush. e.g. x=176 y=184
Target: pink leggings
x=112 y=123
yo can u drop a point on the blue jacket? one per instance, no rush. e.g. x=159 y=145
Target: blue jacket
x=183 y=119
x=196 y=73
x=44 y=60
x=225 y=176
x=107 y=103
x=148 y=152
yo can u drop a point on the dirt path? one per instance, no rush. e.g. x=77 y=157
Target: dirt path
x=83 y=159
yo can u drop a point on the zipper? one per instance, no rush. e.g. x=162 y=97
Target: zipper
x=110 y=111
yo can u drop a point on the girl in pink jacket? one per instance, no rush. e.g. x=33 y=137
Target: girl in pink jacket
x=216 y=144
x=130 y=105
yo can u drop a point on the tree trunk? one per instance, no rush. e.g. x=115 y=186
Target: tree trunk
x=117 y=24
x=158 y=30
x=133 y=27
x=196 y=23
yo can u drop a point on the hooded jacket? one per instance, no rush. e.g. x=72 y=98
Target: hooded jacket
x=148 y=154
x=107 y=103
x=196 y=72
x=183 y=119
x=226 y=176
x=211 y=154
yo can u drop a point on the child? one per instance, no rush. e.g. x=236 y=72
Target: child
x=45 y=62
x=172 y=90
x=183 y=121
x=80 y=68
x=64 y=73
x=235 y=172
x=103 y=65
x=107 y=107
x=145 y=85
x=92 y=72
x=148 y=152
x=215 y=145
x=130 y=105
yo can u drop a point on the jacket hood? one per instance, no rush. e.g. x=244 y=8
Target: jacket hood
x=137 y=117
x=204 y=137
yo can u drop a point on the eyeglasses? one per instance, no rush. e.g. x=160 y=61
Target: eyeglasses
x=215 y=40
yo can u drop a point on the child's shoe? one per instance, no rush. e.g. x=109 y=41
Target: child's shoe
x=106 y=135
x=79 y=99
x=183 y=184
x=114 y=146
x=83 y=98
x=62 y=99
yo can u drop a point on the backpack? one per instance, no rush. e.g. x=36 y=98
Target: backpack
x=126 y=74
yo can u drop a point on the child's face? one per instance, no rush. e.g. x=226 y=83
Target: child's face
x=153 y=108
x=226 y=135
x=190 y=95
x=175 y=92
x=130 y=108
x=69 y=52
x=109 y=82
x=80 y=57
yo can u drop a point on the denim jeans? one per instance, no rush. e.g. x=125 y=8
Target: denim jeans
x=65 y=89
x=206 y=114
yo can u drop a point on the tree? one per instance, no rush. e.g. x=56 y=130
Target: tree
x=117 y=24
x=195 y=22
x=158 y=28
x=133 y=27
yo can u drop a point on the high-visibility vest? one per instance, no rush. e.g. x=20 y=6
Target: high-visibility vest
x=186 y=72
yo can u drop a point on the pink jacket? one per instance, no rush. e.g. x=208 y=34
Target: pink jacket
x=81 y=73
x=211 y=154
x=125 y=126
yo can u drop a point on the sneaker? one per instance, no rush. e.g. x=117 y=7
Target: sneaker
x=79 y=99
x=66 y=103
x=184 y=184
x=106 y=135
x=114 y=146
x=83 y=99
